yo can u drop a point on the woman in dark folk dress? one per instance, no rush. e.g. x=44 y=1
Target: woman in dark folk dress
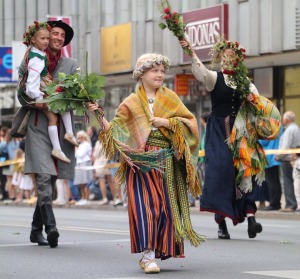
x=232 y=159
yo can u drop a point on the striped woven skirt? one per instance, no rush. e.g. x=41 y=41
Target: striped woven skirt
x=149 y=209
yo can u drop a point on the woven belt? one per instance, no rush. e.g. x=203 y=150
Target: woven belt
x=156 y=138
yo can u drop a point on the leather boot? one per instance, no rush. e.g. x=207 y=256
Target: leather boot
x=253 y=227
x=223 y=232
x=50 y=225
x=36 y=235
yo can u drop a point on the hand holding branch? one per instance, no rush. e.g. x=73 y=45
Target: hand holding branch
x=99 y=113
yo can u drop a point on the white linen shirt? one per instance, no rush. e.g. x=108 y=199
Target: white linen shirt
x=209 y=78
x=35 y=67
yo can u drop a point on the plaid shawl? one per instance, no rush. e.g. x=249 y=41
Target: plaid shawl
x=130 y=129
x=258 y=119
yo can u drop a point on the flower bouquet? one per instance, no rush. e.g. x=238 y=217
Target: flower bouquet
x=174 y=22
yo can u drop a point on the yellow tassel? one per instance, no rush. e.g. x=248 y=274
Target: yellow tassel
x=180 y=144
x=121 y=173
x=179 y=231
x=178 y=138
x=194 y=238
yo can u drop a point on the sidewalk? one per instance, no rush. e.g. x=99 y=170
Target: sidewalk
x=194 y=210
x=262 y=214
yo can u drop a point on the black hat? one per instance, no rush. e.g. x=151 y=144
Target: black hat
x=68 y=29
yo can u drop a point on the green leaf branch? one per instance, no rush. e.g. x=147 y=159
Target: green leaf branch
x=73 y=91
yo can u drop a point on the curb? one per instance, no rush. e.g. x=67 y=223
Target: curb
x=262 y=214
x=193 y=210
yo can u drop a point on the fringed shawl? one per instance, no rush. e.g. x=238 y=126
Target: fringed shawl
x=126 y=139
x=258 y=119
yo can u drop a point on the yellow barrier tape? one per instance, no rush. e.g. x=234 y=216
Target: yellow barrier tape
x=13 y=162
x=115 y=165
x=268 y=152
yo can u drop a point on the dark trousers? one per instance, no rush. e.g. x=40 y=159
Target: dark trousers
x=274 y=186
x=2 y=185
x=43 y=213
x=288 y=183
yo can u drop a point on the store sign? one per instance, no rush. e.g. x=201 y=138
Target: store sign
x=203 y=28
x=67 y=50
x=5 y=64
x=182 y=84
x=116 y=48
x=7 y=97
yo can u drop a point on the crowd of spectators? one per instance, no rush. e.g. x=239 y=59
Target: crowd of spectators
x=99 y=185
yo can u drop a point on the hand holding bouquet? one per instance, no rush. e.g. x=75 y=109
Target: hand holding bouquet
x=174 y=22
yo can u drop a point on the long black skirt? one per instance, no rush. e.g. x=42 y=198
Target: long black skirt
x=219 y=190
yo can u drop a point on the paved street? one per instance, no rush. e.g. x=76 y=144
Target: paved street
x=94 y=243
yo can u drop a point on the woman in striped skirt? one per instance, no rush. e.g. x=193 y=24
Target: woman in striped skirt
x=156 y=139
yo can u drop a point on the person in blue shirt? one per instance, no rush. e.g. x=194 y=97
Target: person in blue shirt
x=272 y=174
x=9 y=145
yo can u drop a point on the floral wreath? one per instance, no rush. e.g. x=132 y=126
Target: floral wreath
x=237 y=71
x=32 y=29
x=224 y=44
x=148 y=61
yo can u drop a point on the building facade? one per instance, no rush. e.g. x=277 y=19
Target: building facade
x=116 y=32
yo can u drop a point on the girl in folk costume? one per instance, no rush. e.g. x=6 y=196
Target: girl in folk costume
x=23 y=181
x=233 y=155
x=9 y=145
x=33 y=84
x=156 y=139
x=83 y=155
x=18 y=172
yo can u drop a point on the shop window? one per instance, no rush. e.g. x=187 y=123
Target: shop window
x=292 y=90
x=293 y=105
x=263 y=80
x=292 y=81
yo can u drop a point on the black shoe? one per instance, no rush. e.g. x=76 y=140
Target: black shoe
x=223 y=232
x=37 y=237
x=52 y=238
x=269 y=208
x=253 y=227
x=50 y=224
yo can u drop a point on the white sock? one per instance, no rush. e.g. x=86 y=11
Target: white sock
x=149 y=254
x=53 y=135
x=249 y=214
x=66 y=118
